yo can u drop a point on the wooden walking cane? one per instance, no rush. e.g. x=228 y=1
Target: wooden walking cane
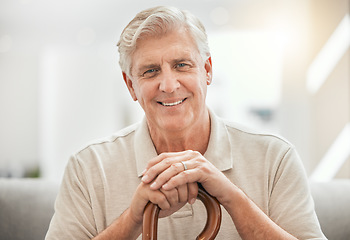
x=211 y=228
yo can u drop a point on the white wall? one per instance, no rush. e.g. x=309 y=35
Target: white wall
x=80 y=99
x=60 y=84
x=18 y=112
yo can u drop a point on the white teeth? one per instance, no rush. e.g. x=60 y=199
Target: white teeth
x=172 y=104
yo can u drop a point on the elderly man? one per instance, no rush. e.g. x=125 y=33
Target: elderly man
x=257 y=178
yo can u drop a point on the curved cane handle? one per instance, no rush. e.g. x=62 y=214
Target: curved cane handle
x=211 y=228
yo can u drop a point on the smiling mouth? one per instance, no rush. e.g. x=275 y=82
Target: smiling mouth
x=173 y=103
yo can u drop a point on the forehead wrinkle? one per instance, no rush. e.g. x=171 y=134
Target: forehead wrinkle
x=171 y=57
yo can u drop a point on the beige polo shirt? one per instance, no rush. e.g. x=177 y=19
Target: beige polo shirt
x=100 y=180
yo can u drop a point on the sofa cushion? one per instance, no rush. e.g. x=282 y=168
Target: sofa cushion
x=26 y=207
x=332 y=204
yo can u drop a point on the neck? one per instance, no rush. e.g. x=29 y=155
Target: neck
x=194 y=138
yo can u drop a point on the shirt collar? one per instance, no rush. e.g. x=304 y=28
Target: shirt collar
x=144 y=147
x=219 y=148
x=218 y=152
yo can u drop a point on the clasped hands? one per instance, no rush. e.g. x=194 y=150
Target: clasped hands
x=168 y=184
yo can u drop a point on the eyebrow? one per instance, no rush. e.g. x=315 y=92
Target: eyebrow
x=183 y=60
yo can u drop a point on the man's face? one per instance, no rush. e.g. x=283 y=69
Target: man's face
x=169 y=79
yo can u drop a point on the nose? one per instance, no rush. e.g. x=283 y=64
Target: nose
x=168 y=81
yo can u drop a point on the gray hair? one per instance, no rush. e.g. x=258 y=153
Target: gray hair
x=155 y=22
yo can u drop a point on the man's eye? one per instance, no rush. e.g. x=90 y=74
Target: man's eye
x=150 y=73
x=181 y=65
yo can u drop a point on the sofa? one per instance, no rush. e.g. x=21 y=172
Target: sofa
x=27 y=205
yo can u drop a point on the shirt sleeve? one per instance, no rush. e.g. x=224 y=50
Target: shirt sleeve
x=291 y=205
x=73 y=217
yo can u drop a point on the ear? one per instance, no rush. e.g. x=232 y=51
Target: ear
x=129 y=84
x=208 y=69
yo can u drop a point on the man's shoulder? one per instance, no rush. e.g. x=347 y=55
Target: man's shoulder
x=252 y=134
x=124 y=135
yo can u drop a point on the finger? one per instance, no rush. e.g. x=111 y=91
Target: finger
x=161 y=157
x=167 y=174
x=162 y=162
x=159 y=198
x=172 y=196
x=192 y=192
x=146 y=176
x=184 y=177
x=138 y=202
x=142 y=196
x=183 y=192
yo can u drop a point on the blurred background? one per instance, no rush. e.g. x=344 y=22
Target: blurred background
x=281 y=66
